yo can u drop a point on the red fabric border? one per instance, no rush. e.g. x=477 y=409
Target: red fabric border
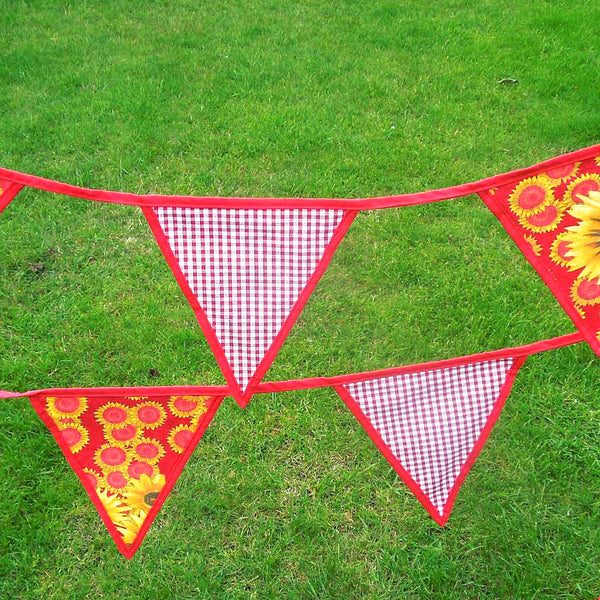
x=167 y=390
x=503 y=215
x=243 y=397
x=315 y=382
x=9 y=192
x=349 y=204
x=414 y=487
x=527 y=350
x=127 y=551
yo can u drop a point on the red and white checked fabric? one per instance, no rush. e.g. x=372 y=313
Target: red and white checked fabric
x=431 y=420
x=247 y=268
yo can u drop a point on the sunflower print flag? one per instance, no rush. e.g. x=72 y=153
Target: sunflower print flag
x=553 y=216
x=128 y=451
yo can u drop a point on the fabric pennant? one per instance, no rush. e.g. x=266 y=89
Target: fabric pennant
x=248 y=274
x=8 y=191
x=553 y=215
x=431 y=423
x=128 y=451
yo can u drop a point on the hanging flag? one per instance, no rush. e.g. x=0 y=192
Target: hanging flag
x=553 y=215
x=431 y=423
x=8 y=191
x=248 y=274
x=127 y=451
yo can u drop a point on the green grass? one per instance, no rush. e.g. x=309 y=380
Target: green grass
x=289 y=498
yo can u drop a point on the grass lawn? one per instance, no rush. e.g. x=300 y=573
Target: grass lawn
x=289 y=498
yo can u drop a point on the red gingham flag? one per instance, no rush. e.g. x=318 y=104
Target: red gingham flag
x=247 y=269
x=431 y=424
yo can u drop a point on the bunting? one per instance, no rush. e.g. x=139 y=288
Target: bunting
x=248 y=266
x=431 y=424
x=553 y=215
x=129 y=445
x=128 y=451
x=248 y=275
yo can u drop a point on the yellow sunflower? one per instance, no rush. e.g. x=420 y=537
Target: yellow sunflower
x=149 y=415
x=180 y=438
x=112 y=414
x=559 y=174
x=114 y=506
x=560 y=249
x=123 y=435
x=92 y=476
x=111 y=458
x=147 y=450
x=531 y=196
x=141 y=494
x=585 y=292
x=65 y=408
x=116 y=481
x=546 y=220
x=537 y=249
x=137 y=468
x=130 y=527
x=74 y=435
x=188 y=406
x=581 y=186
x=584 y=238
x=195 y=421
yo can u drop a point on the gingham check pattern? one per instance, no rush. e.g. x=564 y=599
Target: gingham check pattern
x=431 y=420
x=247 y=269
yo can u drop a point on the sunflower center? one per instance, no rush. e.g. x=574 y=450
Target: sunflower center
x=150 y=498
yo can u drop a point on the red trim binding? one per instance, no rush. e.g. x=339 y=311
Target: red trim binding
x=243 y=397
x=167 y=390
x=50 y=185
x=126 y=551
x=314 y=382
x=404 y=474
x=9 y=192
x=503 y=215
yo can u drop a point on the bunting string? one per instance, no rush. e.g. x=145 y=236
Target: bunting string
x=128 y=446
x=248 y=266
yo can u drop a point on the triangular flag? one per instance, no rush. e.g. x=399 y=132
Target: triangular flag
x=432 y=423
x=8 y=190
x=128 y=451
x=553 y=215
x=247 y=274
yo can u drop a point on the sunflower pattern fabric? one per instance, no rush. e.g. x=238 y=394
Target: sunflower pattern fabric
x=128 y=451
x=554 y=218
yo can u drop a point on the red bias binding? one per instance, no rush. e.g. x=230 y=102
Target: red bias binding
x=8 y=191
x=380 y=202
